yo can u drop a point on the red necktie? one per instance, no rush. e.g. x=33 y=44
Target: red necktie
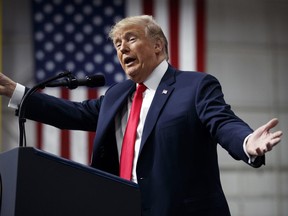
x=127 y=151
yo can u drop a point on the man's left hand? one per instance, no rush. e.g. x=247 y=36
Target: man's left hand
x=262 y=140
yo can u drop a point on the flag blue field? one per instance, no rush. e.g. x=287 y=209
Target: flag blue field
x=72 y=36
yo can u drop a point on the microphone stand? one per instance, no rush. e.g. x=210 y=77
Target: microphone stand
x=22 y=106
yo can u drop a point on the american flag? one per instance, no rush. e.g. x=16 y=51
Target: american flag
x=72 y=35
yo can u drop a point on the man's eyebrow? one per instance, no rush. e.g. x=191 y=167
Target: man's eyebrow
x=131 y=32
x=127 y=34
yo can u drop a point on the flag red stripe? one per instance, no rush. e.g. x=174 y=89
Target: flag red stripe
x=65 y=135
x=65 y=144
x=200 y=35
x=91 y=136
x=174 y=32
x=39 y=135
x=92 y=94
x=147 y=6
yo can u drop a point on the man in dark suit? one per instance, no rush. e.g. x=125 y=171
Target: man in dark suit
x=182 y=119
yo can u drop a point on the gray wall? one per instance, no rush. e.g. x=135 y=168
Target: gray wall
x=247 y=50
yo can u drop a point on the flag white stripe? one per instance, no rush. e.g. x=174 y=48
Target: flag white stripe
x=79 y=139
x=51 y=135
x=134 y=7
x=187 y=46
x=161 y=15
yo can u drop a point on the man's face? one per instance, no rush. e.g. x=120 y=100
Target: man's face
x=137 y=53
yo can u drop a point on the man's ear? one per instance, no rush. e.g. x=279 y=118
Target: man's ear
x=158 y=46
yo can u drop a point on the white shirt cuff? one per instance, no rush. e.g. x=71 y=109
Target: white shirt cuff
x=17 y=96
x=251 y=159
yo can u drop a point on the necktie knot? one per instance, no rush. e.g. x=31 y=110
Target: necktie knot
x=141 y=88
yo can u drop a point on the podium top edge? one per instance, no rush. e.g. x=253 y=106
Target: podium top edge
x=74 y=164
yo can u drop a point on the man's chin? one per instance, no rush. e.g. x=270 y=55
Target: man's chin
x=132 y=73
x=136 y=79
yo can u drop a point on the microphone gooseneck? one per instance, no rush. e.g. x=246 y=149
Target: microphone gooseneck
x=70 y=81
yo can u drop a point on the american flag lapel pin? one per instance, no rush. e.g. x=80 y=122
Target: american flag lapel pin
x=165 y=91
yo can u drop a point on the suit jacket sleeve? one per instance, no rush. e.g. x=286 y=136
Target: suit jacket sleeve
x=222 y=123
x=63 y=114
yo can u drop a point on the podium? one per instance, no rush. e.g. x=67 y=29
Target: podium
x=34 y=182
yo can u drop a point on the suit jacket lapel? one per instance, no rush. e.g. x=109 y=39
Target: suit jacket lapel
x=113 y=102
x=162 y=94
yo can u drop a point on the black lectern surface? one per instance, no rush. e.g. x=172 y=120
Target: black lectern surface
x=34 y=182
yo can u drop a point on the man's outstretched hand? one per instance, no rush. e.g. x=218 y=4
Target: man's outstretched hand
x=263 y=140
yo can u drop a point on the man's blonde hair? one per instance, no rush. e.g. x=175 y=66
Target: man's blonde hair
x=152 y=29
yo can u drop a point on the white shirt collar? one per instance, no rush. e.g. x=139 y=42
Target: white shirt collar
x=155 y=77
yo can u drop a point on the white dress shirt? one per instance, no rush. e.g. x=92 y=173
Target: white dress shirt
x=121 y=119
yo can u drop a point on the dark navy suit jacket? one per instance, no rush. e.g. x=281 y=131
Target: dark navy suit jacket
x=177 y=168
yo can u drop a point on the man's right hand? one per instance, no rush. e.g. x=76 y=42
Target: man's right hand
x=7 y=86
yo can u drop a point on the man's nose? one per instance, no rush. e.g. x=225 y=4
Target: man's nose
x=124 y=48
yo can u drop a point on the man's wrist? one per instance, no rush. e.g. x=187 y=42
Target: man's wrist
x=16 y=96
x=251 y=159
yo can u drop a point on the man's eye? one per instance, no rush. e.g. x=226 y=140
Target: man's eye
x=118 y=45
x=132 y=39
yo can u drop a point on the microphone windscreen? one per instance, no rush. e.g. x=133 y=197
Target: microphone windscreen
x=96 y=81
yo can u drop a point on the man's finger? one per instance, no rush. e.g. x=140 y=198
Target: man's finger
x=277 y=134
x=259 y=152
x=272 y=123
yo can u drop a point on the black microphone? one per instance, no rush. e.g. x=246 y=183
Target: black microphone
x=71 y=82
